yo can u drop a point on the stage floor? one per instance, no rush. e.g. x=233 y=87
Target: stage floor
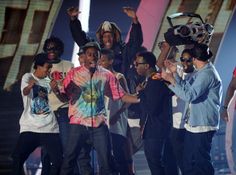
x=141 y=166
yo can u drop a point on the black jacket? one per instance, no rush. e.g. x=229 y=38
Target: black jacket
x=124 y=52
x=156 y=105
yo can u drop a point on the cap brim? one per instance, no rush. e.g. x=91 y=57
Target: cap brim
x=91 y=44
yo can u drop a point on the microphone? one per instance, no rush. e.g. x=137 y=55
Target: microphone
x=92 y=69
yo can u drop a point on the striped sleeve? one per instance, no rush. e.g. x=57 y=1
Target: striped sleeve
x=113 y=88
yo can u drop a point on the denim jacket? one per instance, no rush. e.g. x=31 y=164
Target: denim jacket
x=203 y=93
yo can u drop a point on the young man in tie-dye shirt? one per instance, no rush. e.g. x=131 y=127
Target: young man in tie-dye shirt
x=85 y=87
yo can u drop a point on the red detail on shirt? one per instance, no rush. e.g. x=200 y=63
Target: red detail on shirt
x=234 y=73
x=56 y=75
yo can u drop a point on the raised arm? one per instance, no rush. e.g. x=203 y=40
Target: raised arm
x=165 y=49
x=114 y=118
x=135 y=40
x=130 y=12
x=61 y=96
x=136 y=34
x=79 y=36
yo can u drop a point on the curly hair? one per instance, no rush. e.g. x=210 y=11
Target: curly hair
x=59 y=45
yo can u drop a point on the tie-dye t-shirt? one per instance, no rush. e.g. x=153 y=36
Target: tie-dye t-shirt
x=86 y=95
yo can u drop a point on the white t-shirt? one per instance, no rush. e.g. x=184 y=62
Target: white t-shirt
x=37 y=115
x=178 y=105
x=58 y=73
x=112 y=106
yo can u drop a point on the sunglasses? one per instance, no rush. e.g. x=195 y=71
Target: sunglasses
x=136 y=64
x=186 y=60
x=53 y=49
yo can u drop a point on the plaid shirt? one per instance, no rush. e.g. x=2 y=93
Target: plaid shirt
x=86 y=105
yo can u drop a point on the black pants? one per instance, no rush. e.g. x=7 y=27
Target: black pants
x=119 y=145
x=169 y=161
x=177 y=140
x=29 y=141
x=196 y=157
x=153 y=149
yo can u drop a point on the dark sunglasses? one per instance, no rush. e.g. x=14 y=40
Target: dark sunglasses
x=186 y=60
x=53 y=49
x=136 y=64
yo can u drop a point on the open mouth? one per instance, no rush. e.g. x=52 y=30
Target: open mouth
x=51 y=55
x=107 y=44
x=92 y=64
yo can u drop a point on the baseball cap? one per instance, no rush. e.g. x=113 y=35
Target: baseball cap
x=91 y=44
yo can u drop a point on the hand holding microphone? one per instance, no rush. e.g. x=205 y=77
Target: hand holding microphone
x=54 y=85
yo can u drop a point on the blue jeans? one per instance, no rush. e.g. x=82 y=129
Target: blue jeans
x=83 y=161
x=81 y=137
x=196 y=157
x=63 y=122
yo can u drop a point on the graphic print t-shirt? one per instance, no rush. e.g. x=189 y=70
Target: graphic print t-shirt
x=39 y=103
x=37 y=115
x=58 y=73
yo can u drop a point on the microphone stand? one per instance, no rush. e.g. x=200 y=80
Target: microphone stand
x=92 y=70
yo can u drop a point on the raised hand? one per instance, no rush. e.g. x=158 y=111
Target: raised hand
x=167 y=76
x=172 y=67
x=130 y=12
x=32 y=82
x=163 y=45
